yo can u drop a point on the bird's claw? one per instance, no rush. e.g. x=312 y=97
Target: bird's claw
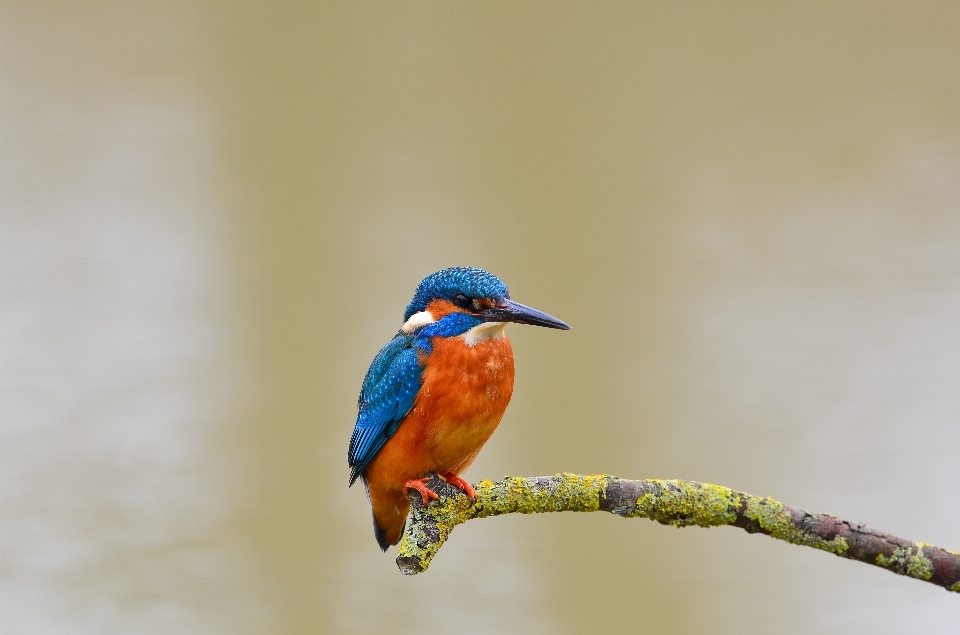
x=418 y=484
x=461 y=484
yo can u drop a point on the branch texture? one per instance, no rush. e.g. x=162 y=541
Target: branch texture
x=677 y=503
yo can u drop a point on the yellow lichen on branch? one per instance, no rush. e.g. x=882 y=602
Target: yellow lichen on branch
x=429 y=526
x=777 y=522
x=669 y=502
x=685 y=503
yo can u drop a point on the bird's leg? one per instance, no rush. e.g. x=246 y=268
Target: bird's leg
x=418 y=484
x=459 y=483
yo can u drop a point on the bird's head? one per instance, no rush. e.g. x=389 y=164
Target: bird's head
x=465 y=298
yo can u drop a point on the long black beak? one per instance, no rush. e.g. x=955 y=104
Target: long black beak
x=510 y=311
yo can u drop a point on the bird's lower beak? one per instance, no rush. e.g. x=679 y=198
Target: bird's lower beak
x=511 y=311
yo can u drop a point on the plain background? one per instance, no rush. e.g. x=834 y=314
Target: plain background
x=212 y=215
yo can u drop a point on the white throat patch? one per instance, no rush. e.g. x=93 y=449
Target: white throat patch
x=416 y=321
x=483 y=332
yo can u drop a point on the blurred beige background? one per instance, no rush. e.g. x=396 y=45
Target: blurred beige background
x=212 y=215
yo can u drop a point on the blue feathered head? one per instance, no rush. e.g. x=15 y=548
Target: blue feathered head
x=447 y=284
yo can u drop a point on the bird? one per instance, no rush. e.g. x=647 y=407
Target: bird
x=436 y=392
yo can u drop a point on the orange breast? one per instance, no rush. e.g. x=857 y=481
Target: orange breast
x=466 y=390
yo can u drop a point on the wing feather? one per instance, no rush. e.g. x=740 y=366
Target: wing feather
x=388 y=393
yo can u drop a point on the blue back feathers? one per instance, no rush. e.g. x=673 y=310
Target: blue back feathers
x=395 y=375
x=446 y=284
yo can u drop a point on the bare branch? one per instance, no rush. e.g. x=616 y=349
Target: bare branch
x=678 y=503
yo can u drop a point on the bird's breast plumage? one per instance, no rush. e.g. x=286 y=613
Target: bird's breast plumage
x=466 y=389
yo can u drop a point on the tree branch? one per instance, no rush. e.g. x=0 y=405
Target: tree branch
x=678 y=503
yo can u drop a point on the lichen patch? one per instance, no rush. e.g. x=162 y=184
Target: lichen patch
x=908 y=561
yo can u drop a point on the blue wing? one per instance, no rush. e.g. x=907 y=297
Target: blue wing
x=389 y=390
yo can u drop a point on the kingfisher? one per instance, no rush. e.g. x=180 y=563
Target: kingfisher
x=436 y=392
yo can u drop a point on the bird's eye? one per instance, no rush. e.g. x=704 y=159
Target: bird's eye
x=463 y=301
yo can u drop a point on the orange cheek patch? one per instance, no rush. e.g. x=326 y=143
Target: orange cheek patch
x=440 y=308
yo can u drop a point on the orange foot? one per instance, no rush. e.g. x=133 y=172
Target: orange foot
x=418 y=484
x=459 y=483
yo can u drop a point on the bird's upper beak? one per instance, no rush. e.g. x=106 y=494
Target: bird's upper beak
x=510 y=311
